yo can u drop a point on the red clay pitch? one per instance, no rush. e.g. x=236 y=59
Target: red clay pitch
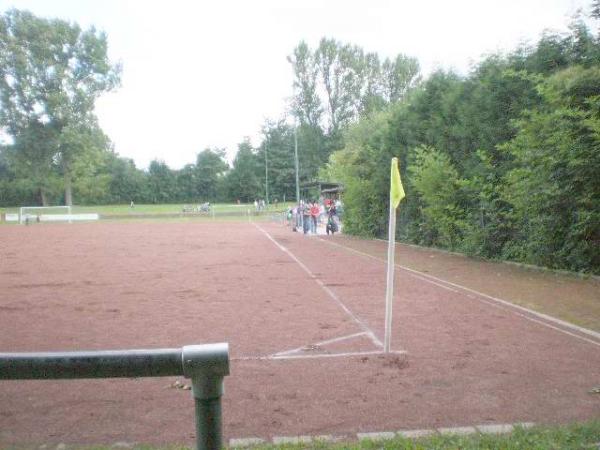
x=268 y=291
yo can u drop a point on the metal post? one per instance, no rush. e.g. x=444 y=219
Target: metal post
x=208 y=423
x=297 y=177
x=389 y=291
x=207 y=389
x=266 y=176
x=206 y=365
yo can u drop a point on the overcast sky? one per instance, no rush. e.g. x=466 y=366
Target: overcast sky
x=200 y=74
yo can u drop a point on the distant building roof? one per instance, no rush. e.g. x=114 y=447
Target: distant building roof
x=324 y=188
x=334 y=190
x=322 y=185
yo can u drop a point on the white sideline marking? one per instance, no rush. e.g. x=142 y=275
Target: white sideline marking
x=522 y=308
x=337 y=355
x=429 y=278
x=314 y=356
x=329 y=341
x=329 y=292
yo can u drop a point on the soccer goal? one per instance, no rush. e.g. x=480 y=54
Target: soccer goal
x=28 y=214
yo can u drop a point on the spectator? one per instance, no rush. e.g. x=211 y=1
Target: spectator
x=321 y=212
x=332 y=210
x=314 y=215
x=306 y=217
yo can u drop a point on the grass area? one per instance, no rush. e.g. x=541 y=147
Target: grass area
x=174 y=208
x=170 y=212
x=578 y=436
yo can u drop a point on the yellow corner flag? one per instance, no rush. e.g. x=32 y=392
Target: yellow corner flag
x=396 y=189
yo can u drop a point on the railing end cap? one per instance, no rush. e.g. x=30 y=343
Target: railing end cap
x=205 y=360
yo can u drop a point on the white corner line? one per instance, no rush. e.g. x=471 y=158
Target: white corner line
x=329 y=292
x=280 y=357
x=446 y=285
x=328 y=341
x=338 y=355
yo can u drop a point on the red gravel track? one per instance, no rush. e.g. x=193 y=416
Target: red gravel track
x=266 y=290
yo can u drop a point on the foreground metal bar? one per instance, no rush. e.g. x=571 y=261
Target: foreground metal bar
x=206 y=365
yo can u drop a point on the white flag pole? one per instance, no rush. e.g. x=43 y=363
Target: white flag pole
x=389 y=293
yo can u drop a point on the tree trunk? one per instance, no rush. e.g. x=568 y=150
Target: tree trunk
x=43 y=198
x=68 y=189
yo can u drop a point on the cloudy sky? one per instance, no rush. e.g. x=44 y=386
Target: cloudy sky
x=200 y=74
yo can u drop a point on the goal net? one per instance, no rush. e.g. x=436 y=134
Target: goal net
x=29 y=214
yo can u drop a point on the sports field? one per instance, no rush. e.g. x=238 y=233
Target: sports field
x=304 y=317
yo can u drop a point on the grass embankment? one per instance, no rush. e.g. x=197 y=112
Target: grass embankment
x=579 y=436
x=174 y=212
x=174 y=208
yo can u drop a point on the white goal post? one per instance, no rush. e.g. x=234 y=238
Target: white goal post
x=39 y=213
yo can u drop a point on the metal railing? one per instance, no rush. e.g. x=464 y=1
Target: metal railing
x=206 y=365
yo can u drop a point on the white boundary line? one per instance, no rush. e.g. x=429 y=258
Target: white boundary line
x=429 y=278
x=329 y=341
x=317 y=355
x=338 y=355
x=329 y=292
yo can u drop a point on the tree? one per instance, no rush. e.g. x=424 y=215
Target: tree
x=210 y=169
x=398 y=77
x=277 y=148
x=13 y=190
x=595 y=9
x=51 y=73
x=161 y=182
x=127 y=183
x=437 y=183
x=336 y=85
x=362 y=166
x=187 y=183
x=244 y=180
x=341 y=68
x=554 y=187
x=32 y=156
x=306 y=103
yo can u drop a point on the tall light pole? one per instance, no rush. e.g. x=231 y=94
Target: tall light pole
x=297 y=177
x=266 y=176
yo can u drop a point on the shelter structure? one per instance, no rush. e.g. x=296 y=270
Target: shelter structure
x=321 y=190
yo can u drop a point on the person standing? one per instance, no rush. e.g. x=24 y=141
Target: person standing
x=306 y=217
x=314 y=215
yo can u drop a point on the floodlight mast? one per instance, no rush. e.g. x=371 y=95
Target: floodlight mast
x=266 y=176
x=297 y=178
